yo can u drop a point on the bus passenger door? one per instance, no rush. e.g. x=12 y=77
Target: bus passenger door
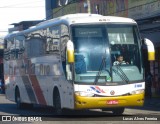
x=68 y=95
x=67 y=65
x=68 y=88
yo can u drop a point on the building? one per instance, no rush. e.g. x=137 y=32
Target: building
x=145 y=12
x=23 y=25
x=51 y=6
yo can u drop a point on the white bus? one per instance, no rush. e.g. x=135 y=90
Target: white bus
x=67 y=63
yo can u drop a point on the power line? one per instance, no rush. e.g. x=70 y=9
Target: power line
x=3 y=31
x=22 y=7
x=12 y=5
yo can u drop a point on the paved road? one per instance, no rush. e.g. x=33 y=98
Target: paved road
x=9 y=108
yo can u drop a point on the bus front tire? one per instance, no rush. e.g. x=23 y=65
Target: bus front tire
x=118 y=111
x=57 y=103
x=19 y=104
x=18 y=99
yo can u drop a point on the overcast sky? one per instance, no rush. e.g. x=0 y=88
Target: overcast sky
x=14 y=11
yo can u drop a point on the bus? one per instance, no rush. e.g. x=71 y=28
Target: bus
x=67 y=63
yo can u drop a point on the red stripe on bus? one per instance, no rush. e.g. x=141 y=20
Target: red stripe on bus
x=37 y=89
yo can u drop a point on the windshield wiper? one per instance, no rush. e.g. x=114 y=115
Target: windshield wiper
x=100 y=70
x=125 y=76
x=122 y=74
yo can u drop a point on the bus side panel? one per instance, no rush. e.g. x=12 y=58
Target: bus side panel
x=56 y=78
x=67 y=94
x=9 y=84
x=9 y=88
x=16 y=79
x=45 y=77
x=48 y=80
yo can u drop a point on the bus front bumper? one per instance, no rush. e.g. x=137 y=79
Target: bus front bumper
x=82 y=102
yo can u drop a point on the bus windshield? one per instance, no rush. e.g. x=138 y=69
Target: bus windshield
x=97 y=48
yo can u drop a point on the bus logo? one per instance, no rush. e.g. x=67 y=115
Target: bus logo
x=97 y=89
x=112 y=92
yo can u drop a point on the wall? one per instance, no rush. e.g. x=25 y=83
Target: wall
x=135 y=9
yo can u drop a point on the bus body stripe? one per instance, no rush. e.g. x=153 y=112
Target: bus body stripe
x=29 y=89
x=28 y=86
x=37 y=89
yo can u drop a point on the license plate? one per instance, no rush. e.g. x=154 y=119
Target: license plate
x=112 y=102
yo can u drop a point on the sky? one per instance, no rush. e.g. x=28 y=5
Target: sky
x=15 y=11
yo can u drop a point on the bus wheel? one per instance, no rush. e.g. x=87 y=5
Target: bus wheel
x=26 y=105
x=18 y=99
x=57 y=103
x=19 y=104
x=118 y=111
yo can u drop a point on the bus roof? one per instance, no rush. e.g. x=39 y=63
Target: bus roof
x=79 y=18
x=89 y=18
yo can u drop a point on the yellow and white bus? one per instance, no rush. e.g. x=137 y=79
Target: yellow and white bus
x=67 y=62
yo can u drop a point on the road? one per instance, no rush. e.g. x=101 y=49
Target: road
x=9 y=108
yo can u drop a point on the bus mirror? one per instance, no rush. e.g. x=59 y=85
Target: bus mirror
x=150 y=49
x=70 y=52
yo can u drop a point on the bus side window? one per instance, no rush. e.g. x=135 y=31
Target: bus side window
x=6 y=50
x=52 y=40
x=19 y=47
x=63 y=44
x=11 y=48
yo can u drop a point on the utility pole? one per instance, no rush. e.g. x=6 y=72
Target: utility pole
x=89 y=6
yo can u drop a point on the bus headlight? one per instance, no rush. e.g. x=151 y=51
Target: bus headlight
x=137 y=92
x=82 y=93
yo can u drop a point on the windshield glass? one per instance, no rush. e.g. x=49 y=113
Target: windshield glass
x=97 y=49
